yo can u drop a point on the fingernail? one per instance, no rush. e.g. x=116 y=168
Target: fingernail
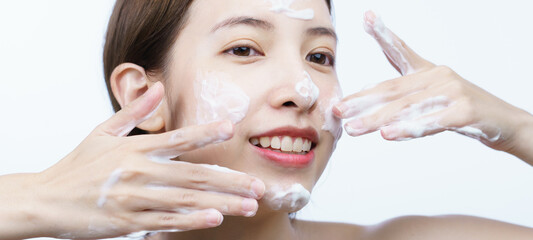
x=369 y=20
x=393 y=133
x=258 y=188
x=225 y=130
x=388 y=132
x=355 y=128
x=339 y=109
x=249 y=207
x=370 y=16
x=214 y=217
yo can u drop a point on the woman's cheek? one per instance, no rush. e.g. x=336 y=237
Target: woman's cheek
x=307 y=89
x=218 y=98
x=331 y=94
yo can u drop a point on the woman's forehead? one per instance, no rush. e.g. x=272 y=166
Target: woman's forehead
x=212 y=12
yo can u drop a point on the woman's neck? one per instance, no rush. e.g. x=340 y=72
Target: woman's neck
x=272 y=226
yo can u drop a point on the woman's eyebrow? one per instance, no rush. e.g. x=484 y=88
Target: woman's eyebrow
x=322 y=31
x=254 y=22
x=243 y=20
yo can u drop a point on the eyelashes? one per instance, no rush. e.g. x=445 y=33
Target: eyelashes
x=243 y=51
x=325 y=59
x=248 y=52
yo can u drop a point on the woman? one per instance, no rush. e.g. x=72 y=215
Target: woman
x=273 y=66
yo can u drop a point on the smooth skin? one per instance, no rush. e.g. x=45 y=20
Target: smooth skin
x=62 y=201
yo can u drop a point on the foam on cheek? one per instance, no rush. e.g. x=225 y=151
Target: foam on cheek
x=307 y=89
x=332 y=124
x=104 y=190
x=291 y=199
x=219 y=99
x=284 y=7
x=393 y=48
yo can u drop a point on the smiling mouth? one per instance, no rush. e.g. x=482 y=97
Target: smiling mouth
x=284 y=144
x=287 y=146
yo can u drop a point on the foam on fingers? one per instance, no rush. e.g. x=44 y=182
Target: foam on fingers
x=391 y=45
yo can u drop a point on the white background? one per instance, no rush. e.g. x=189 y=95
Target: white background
x=53 y=95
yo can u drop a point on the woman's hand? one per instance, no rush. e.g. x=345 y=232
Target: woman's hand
x=429 y=99
x=112 y=185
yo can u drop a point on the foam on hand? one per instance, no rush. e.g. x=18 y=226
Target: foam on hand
x=391 y=45
x=113 y=178
x=416 y=121
x=477 y=133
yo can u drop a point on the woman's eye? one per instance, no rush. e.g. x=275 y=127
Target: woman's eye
x=243 y=51
x=320 y=58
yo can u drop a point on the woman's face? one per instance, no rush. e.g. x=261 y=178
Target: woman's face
x=266 y=65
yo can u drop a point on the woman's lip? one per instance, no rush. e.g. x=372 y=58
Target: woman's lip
x=308 y=133
x=287 y=159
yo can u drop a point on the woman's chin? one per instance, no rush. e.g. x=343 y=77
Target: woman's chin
x=285 y=197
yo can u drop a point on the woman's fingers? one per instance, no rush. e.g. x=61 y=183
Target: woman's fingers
x=368 y=101
x=182 y=200
x=165 y=146
x=426 y=125
x=134 y=113
x=204 y=177
x=403 y=58
x=170 y=221
x=409 y=108
x=429 y=117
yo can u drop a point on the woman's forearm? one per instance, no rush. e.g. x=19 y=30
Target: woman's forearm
x=18 y=211
x=522 y=143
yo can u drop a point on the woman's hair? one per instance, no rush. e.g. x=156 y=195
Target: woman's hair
x=143 y=32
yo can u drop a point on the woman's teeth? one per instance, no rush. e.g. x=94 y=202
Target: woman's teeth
x=284 y=143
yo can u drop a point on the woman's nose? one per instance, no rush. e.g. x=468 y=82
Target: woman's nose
x=298 y=92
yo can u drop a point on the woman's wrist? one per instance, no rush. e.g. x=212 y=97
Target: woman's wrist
x=19 y=215
x=521 y=144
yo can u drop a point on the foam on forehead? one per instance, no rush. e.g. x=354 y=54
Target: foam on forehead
x=284 y=7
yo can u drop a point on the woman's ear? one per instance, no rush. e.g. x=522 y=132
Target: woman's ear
x=128 y=82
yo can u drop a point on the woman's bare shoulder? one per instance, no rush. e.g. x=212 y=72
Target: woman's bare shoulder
x=327 y=230
x=446 y=227
x=449 y=227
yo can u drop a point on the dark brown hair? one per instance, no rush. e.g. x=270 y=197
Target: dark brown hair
x=143 y=32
